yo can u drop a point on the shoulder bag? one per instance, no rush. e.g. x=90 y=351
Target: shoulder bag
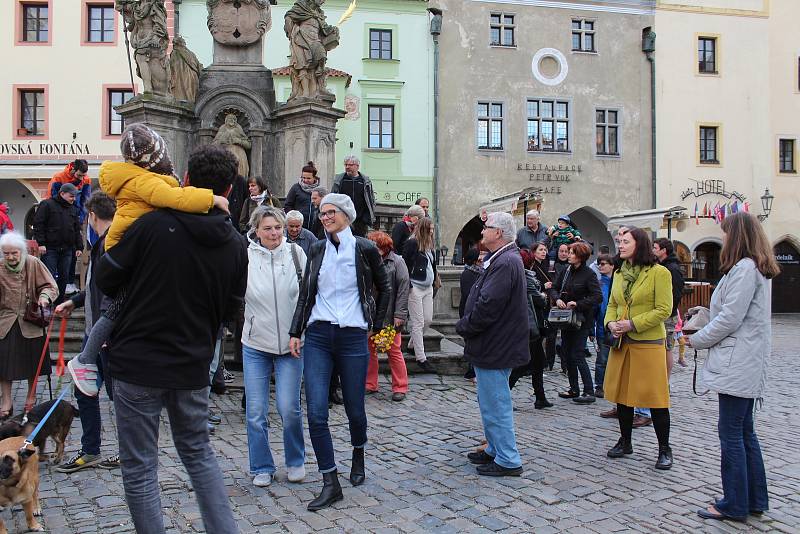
x=566 y=318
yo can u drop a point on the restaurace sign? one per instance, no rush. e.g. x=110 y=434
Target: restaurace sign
x=711 y=187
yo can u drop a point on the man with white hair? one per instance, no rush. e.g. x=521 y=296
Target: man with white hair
x=295 y=233
x=402 y=230
x=494 y=328
x=358 y=187
x=533 y=232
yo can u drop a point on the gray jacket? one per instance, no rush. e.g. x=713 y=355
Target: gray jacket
x=398 y=274
x=739 y=334
x=369 y=193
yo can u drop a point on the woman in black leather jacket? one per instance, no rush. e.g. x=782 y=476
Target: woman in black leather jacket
x=577 y=288
x=537 y=310
x=338 y=310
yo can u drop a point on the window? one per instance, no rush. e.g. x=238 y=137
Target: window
x=501 y=29
x=116 y=97
x=548 y=125
x=381 y=126
x=490 y=125
x=32 y=112
x=35 y=23
x=101 y=24
x=583 y=35
x=708 y=145
x=786 y=155
x=707 y=55
x=380 y=44
x=607 y=129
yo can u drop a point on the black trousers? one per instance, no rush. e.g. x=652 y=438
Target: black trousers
x=573 y=350
x=535 y=368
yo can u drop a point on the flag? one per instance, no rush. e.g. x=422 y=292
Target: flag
x=735 y=207
x=706 y=211
x=696 y=219
x=746 y=207
x=716 y=213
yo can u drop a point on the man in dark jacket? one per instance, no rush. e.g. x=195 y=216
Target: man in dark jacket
x=184 y=275
x=57 y=230
x=101 y=210
x=495 y=332
x=664 y=251
x=358 y=187
x=402 y=230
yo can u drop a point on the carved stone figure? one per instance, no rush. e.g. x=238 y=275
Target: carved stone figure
x=185 y=69
x=146 y=20
x=232 y=137
x=310 y=40
x=238 y=22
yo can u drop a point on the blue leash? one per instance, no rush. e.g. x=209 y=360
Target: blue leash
x=32 y=436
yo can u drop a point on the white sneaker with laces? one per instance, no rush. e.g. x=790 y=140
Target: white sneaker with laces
x=71 y=289
x=85 y=377
x=262 y=480
x=296 y=474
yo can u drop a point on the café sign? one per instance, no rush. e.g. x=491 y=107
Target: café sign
x=44 y=149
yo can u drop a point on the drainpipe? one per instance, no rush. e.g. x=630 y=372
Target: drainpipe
x=177 y=24
x=649 y=49
x=436 y=29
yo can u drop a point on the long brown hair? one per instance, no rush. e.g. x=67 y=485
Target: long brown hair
x=746 y=238
x=422 y=233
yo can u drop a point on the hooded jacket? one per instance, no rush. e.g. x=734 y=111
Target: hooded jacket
x=185 y=274
x=5 y=221
x=271 y=297
x=139 y=191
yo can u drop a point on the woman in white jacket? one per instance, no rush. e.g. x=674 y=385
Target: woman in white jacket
x=738 y=337
x=273 y=285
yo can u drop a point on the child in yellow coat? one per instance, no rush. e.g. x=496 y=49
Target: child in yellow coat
x=140 y=184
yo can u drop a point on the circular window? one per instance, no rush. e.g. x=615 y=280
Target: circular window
x=549 y=66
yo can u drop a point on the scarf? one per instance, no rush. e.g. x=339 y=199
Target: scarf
x=19 y=267
x=630 y=273
x=308 y=187
x=259 y=199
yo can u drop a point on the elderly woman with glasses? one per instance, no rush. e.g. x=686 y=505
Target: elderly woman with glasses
x=24 y=283
x=344 y=298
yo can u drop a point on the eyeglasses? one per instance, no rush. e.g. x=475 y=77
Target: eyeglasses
x=491 y=227
x=330 y=214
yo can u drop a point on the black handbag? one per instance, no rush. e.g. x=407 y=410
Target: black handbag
x=36 y=314
x=564 y=319
x=533 y=320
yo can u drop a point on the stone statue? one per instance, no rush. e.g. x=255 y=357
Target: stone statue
x=232 y=136
x=310 y=40
x=185 y=69
x=146 y=20
x=238 y=22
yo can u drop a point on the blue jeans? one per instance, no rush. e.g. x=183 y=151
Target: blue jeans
x=58 y=261
x=326 y=343
x=89 y=408
x=497 y=415
x=600 y=363
x=258 y=368
x=138 y=410
x=744 y=482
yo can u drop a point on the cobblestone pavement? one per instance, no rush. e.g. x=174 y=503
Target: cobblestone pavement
x=418 y=478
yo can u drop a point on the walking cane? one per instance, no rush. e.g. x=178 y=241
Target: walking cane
x=44 y=335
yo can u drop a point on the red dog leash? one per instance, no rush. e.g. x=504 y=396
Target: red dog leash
x=59 y=365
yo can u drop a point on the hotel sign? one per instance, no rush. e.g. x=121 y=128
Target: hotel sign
x=711 y=187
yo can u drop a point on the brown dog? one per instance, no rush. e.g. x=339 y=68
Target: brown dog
x=19 y=480
x=56 y=427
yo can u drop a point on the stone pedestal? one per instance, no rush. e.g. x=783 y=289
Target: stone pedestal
x=305 y=131
x=173 y=121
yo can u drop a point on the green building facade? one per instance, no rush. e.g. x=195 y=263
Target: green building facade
x=382 y=76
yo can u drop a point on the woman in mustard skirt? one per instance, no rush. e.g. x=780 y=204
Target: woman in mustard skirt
x=636 y=374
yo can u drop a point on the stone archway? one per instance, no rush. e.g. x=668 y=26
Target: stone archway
x=786 y=286
x=593 y=227
x=21 y=200
x=468 y=237
x=708 y=252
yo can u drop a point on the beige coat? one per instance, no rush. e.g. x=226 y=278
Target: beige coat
x=16 y=289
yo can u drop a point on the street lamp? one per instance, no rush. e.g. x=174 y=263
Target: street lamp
x=766 y=205
x=698 y=264
x=444 y=250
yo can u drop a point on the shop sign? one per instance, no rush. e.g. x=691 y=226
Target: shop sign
x=787 y=259
x=44 y=149
x=711 y=187
x=555 y=174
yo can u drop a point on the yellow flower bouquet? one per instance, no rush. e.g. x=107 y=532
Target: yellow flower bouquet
x=383 y=340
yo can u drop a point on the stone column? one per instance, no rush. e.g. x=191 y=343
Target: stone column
x=305 y=131
x=174 y=122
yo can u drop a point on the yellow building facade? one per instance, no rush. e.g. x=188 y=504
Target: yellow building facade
x=728 y=126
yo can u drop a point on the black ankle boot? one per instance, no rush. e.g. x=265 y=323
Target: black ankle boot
x=622 y=448
x=331 y=492
x=542 y=402
x=664 y=457
x=357 y=475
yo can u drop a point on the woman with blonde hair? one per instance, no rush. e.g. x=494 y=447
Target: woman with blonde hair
x=738 y=338
x=421 y=263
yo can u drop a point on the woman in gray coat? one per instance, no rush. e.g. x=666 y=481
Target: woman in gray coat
x=738 y=338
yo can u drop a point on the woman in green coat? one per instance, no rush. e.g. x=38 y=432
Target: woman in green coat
x=636 y=374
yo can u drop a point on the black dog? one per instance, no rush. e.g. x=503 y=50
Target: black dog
x=56 y=427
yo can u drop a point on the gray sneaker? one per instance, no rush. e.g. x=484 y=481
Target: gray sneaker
x=81 y=460
x=112 y=462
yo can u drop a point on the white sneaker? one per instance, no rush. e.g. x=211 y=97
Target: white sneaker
x=296 y=474
x=262 y=480
x=71 y=289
